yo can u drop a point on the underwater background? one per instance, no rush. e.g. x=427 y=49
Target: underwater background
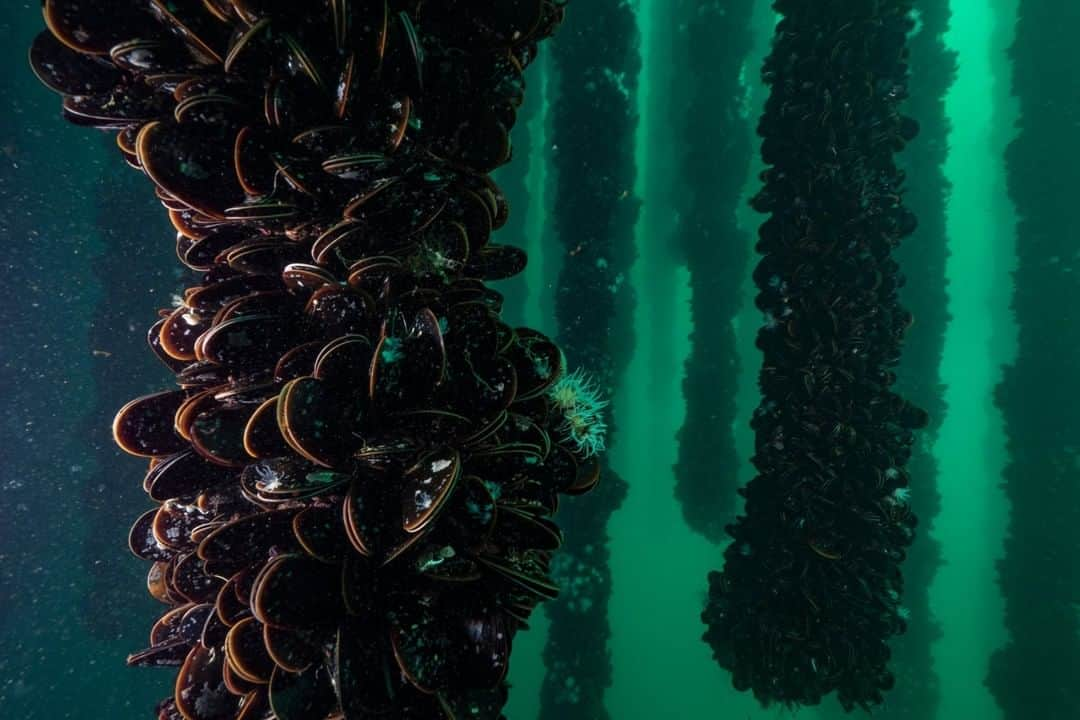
x=636 y=145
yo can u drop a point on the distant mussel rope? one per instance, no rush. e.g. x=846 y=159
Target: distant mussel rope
x=809 y=595
x=355 y=479
x=1034 y=673
x=713 y=247
x=593 y=124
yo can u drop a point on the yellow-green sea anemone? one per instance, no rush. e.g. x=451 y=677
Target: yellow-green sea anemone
x=579 y=399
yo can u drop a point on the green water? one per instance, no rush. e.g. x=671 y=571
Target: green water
x=970 y=446
x=50 y=667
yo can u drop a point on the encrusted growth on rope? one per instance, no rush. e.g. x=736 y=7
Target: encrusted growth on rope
x=356 y=475
x=810 y=592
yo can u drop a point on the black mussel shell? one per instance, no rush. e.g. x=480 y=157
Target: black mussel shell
x=276 y=602
x=95 y=26
x=192 y=163
x=302 y=695
x=144 y=426
x=67 y=71
x=200 y=687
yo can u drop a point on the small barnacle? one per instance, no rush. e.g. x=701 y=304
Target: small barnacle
x=578 y=398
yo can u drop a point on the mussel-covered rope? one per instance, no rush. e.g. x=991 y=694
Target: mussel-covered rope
x=596 y=64
x=708 y=103
x=355 y=477
x=1034 y=674
x=809 y=595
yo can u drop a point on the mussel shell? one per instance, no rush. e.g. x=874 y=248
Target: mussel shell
x=157 y=582
x=523 y=576
x=228 y=607
x=205 y=36
x=341 y=359
x=144 y=426
x=117 y=109
x=95 y=26
x=167 y=626
x=365 y=682
x=302 y=695
x=497 y=262
x=255 y=170
x=483 y=388
x=317 y=421
x=246 y=541
x=254 y=705
x=293 y=651
x=321 y=533
x=248 y=341
x=587 y=478
x=426 y=486
x=523 y=529
x=141 y=539
x=306 y=278
x=268 y=211
x=422 y=646
x=537 y=361
x=204 y=252
x=214 y=631
x=483 y=143
x=193 y=621
x=521 y=430
x=246 y=653
x=193 y=164
x=153 y=339
x=191 y=580
x=262 y=438
x=67 y=71
x=180 y=332
x=482 y=634
x=218 y=432
x=173 y=524
x=475 y=510
x=264 y=257
x=298 y=361
x=237 y=685
x=170 y=653
x=295 y=591
x=215 y=295
x=406 y=370
x=339 y=310
x=152 y=57
x=200 y=687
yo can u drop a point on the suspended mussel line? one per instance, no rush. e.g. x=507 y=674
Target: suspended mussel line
x=810 y=592
x=119 y=370
x=1034 y=673
x=593 y=125
x=707 y=100
x=356 y=471
x=933 y=68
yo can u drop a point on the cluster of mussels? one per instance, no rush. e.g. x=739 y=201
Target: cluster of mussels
x=356 y=474
x=809 y=595
x=1034 y=673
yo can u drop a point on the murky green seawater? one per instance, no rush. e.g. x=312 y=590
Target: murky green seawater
x=72 y=600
